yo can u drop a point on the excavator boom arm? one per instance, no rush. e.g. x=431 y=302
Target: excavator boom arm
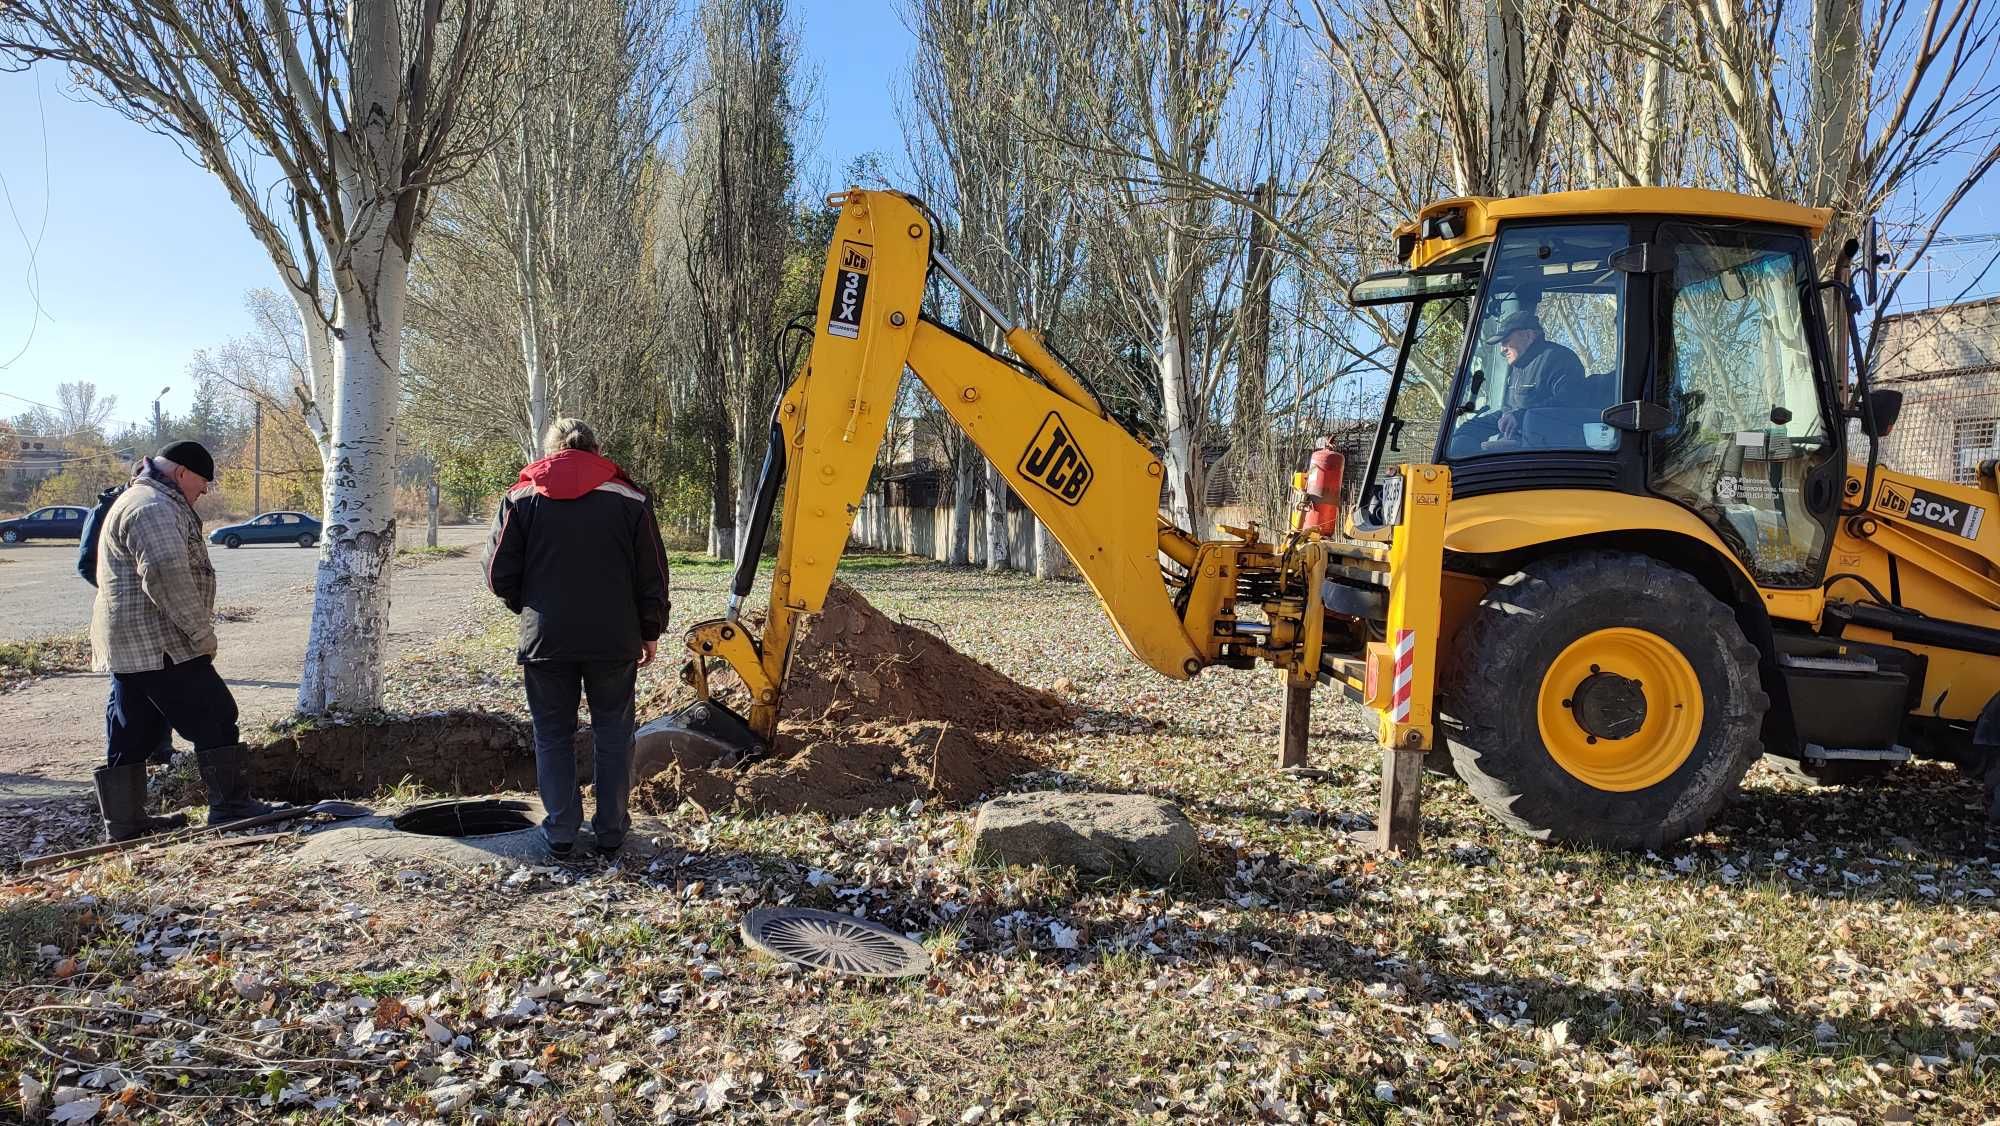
x=1094 y=486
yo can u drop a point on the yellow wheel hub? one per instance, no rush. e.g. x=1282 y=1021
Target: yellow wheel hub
x=1620 y=709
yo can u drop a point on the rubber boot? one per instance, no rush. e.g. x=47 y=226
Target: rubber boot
x=162 y=755
x=226 y=773
x=121 y=798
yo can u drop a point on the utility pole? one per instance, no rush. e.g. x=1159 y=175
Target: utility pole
x=257 y=463
x=159 y=420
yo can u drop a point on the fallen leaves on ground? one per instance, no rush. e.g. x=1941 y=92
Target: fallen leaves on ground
x=1821 y=955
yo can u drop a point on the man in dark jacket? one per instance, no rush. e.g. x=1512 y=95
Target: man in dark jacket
x=577 y=553
x=1540 y=372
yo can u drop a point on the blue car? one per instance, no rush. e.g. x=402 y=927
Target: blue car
x=56 y=522
x=272 y=527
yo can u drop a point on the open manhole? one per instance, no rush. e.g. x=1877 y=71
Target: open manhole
x=832 y=941
x=477 y=817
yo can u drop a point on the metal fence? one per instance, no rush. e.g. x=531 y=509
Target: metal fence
x=1949 y=424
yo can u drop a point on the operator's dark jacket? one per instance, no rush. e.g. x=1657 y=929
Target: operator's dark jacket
x=1547 y=375
x=576 y=552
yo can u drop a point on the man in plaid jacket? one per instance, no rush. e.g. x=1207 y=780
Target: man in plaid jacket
x=152 y=628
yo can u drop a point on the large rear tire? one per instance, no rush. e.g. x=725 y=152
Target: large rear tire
x=1603 y=699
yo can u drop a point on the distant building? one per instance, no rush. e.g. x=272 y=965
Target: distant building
x=1946 y=361
x=34 y=459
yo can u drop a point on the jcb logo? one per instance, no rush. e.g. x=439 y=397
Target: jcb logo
x=850 y=291
x=1055 y=462
x=1892 y=500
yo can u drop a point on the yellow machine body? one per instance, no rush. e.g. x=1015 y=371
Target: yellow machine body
x=1385 y=610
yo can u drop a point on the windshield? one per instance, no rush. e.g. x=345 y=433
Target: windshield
x=1547 y=360
x=1415 y=410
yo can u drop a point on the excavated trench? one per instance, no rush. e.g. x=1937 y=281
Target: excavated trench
x=878 y=713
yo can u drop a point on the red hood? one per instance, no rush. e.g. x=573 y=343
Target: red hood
x=571 y=474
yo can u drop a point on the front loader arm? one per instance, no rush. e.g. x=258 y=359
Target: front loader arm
x=1092 y=484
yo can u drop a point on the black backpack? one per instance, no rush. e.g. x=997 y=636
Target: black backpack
x=93 y=527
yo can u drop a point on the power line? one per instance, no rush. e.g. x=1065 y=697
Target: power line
x=33 y=277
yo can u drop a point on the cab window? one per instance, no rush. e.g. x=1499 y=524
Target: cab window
x=1547 y=352
x=1749 y=439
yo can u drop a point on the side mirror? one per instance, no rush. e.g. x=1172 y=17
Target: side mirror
x=1644 y=258
x=1886 y=404
x=1638 y=417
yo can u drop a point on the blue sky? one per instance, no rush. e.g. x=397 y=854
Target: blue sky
x=140 y=259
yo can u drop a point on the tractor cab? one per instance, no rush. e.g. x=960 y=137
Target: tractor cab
x=1654 y=342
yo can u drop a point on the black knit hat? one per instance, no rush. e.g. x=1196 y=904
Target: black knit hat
x=191 y=456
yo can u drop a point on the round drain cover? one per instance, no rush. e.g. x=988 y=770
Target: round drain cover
x=832 y=941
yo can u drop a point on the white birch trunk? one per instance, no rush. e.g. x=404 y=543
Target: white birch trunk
x=431 y=525
x=1655 y=102
x=1048 y=553
x=350 y=620
x=964 y=483
x=996 y=519
x=1183 y=453
x=1839 y=85
x=1506 y=99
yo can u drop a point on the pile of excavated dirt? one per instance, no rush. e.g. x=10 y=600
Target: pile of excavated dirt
x=876 y=712
x=843 y=770
x=854 y=664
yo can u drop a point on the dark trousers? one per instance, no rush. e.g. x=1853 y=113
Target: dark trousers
x=554 y=689
x=189 y=697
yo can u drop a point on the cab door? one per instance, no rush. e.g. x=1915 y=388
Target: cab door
x=1751 y=445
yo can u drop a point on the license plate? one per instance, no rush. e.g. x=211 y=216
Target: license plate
x=1392 y=498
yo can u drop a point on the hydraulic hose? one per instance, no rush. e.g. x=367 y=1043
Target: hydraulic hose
x=768 y=480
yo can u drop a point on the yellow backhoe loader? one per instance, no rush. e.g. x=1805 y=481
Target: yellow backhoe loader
x=1611 y=545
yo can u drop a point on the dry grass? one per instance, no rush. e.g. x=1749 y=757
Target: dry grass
x=1821 y=955
x=22 y=661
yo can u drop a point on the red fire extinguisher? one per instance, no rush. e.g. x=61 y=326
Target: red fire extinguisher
x=1319 y=508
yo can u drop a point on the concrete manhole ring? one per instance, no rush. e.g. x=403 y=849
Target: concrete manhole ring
x=832 y=941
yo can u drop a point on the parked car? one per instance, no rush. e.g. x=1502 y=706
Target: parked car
x=56 y=522
x=272 y=527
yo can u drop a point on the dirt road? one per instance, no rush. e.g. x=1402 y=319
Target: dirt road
x=52 y=731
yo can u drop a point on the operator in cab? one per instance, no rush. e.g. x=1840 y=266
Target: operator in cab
x=1540 y=372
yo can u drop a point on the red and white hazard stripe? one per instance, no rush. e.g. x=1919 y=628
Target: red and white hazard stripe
x=1406 y=671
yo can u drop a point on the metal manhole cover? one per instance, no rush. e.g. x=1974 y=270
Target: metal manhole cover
x=832 y=941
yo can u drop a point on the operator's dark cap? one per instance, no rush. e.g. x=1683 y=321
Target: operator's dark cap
x=191 y=456
x=1514 y=322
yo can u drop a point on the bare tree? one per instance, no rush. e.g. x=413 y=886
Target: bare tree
x=983 y=76
x=356 y=106
x=79 y=411
x=731 y=211
x=536 y=293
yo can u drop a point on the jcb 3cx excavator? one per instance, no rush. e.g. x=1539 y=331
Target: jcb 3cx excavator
x=1612 y=544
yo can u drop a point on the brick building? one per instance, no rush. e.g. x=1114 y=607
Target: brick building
x=1946 y=361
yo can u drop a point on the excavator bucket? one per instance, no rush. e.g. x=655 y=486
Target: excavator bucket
x=703 y=734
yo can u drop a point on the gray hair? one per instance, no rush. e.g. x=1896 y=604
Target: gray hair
x=569 y=434
x=166 y=465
